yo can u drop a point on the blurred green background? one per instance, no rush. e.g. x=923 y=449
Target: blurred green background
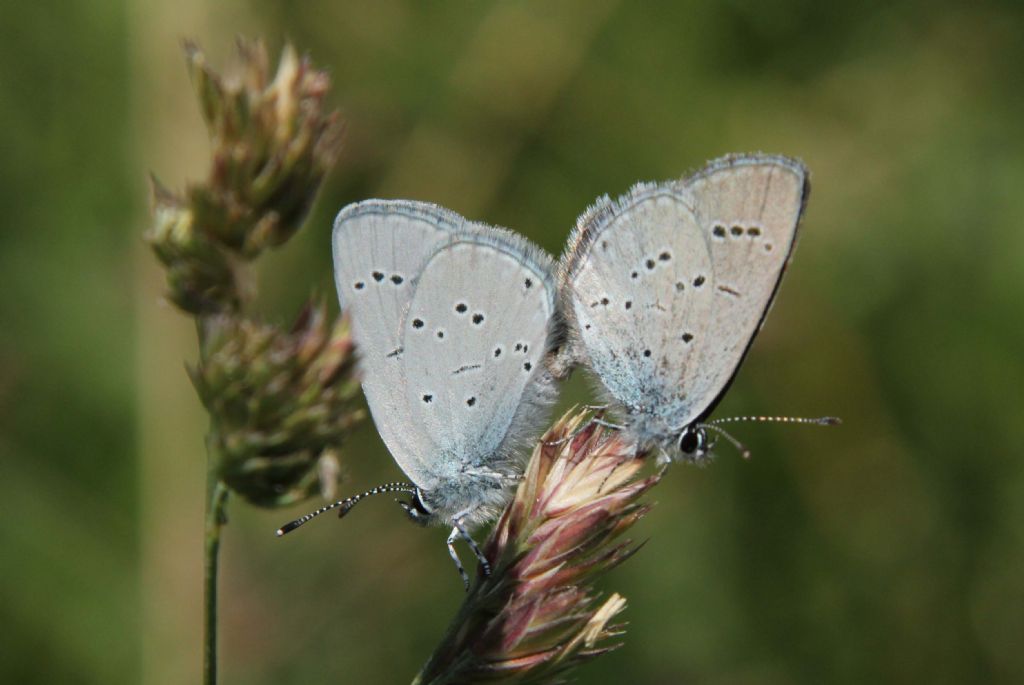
x=890 y=549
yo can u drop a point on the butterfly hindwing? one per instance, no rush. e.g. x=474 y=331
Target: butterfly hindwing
x=473 y=346
x=634 y=303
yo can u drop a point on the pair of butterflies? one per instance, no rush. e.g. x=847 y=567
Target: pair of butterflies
x=464 y=328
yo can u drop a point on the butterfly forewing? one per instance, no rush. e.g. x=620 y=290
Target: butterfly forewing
x=748 y=209
x=379 y=247
x=474 y=340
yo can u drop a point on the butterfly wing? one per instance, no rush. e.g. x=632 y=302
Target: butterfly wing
x=379 y=247
x=631 y=298
x=749 y=209
x=473 y=344
x=662 y=294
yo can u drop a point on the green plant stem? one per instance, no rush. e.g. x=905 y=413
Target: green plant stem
x=216 y=503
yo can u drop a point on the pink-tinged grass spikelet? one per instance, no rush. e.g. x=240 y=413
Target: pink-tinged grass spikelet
x=537 y=615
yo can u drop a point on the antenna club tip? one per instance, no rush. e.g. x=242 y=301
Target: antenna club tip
x=746 y=454
x=831 y=421
x=289 y=527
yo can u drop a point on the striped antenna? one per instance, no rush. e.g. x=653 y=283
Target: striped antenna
x=819 y=421
x=346 y=504
x=744 y=452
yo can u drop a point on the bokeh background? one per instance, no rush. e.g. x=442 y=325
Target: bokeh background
x=890 y=549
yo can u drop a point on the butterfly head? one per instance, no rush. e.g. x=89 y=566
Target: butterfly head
x=417 y=508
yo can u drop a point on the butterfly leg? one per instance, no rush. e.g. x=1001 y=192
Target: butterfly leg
x=608 y=424
x=484 y=564
x=452 y=537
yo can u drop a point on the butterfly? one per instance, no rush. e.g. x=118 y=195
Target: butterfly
x=453 y=321
x=665 y=288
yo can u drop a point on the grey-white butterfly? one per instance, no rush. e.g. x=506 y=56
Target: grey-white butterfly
x=453 y=321
x=665 y=288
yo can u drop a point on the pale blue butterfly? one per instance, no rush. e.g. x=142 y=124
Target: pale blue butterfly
x=665 y=288
x=453 y=321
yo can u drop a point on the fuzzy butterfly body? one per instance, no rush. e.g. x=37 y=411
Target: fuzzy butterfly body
x=665 y=288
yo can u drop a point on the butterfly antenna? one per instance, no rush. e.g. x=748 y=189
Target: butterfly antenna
x=817 y=421
x=346 y=504
x=714 y=425
x=744 y=452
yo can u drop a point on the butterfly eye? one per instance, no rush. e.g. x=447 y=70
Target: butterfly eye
x=418 y=503
x=416 y=508
x=691 y=441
